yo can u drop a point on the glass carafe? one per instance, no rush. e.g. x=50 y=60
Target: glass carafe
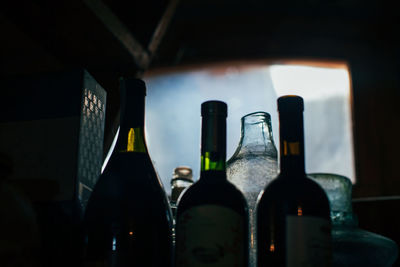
x=253 y=165
x=352 y=246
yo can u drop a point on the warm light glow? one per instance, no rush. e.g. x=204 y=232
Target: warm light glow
x=272 y=247
x=131 y=233
x=310 y=82
x=291 y=148
x=299 y=211
x=326 y=91
x=135 y=141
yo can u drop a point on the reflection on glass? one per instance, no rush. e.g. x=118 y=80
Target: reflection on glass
x=253 y=165
x=182 y=178
x=352 y=246
x=114 y=243
x=272 y=247
x=299 y=211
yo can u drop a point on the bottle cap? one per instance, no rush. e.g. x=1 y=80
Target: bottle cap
x=214 y=107
x=290 y=103
x=183 y=172
x=133 y=85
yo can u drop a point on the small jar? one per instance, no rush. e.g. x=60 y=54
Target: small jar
x=181 y=179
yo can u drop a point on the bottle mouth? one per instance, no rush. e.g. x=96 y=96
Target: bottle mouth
x=183 y=172
x=256 y=117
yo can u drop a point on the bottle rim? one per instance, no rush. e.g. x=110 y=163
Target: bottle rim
x=183 y=172
x=254 y=117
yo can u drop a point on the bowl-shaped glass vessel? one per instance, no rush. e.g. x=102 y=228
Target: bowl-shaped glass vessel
x=352 y=246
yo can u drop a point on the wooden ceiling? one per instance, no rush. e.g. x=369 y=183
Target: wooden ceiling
x=113 y=38
x=102 y=36
x=109 y=38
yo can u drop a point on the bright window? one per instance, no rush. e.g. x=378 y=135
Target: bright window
x=173 y=111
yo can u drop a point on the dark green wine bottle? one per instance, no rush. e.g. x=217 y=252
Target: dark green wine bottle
x=212 y=216
x=128 y=221
x=293 y=216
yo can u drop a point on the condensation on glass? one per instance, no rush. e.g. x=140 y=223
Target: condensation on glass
x=253 y=165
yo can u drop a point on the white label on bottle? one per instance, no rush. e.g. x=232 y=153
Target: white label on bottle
x=212 y=236
x=308 y=241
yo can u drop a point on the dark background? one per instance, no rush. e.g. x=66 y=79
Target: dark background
x=129 y=38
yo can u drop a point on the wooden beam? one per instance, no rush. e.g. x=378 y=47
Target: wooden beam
x=162 y=27
x=120 y=31
x=20 y=54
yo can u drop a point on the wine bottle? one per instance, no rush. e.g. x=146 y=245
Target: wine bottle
x=128 y=220
x=212 y=215
x=293 y=216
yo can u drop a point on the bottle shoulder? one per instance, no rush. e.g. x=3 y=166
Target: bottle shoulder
x=119 y=158
x=292 y=182
x=212 y=187
x=294 y=191
x=253 y=152
x=204 y=192
x=127 y=169
x=128 y=182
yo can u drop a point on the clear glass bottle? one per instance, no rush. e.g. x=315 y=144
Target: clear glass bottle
x=254 y=164
x=352 y=246
x=181 y=179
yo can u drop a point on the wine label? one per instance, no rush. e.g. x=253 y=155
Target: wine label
x=308 y=241
x=211 y=236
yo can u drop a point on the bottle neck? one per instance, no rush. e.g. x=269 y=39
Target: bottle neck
x=213 y=143
x=256 y=135
x=131 y=136
x=291 y=131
